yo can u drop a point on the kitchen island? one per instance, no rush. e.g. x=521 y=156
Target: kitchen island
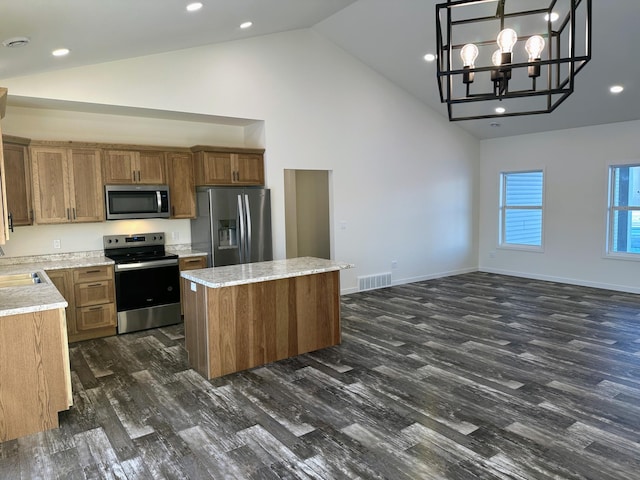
x=242 y=316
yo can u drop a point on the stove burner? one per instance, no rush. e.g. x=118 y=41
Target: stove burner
x=135 y=248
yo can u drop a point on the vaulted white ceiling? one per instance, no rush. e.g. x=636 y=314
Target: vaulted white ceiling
x=391 y=36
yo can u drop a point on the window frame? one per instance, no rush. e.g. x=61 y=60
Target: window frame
x=502 y=212
x=612 y=209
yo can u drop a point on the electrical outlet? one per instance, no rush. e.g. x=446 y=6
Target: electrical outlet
x=175 y=235
x=56 y=243
x=394 y=264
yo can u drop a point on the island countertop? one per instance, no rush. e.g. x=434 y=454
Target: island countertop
x=232 y=275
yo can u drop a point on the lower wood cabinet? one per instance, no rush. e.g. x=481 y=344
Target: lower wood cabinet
x=190 y=263
x=90 y=293
x=35 y=378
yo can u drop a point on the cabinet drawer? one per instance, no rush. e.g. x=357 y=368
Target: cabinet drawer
x=193 y=263
x=99 y=316
x=93 y=274
x=94 y=293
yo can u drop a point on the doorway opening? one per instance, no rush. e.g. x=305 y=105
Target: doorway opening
x=307 y=213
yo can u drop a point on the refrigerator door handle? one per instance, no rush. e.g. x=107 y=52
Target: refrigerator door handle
x=242 y=238
x=248 y=238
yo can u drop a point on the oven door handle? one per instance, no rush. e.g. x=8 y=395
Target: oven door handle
x=142 y=265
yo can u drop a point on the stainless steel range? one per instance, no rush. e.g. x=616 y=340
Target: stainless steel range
x=147 y=281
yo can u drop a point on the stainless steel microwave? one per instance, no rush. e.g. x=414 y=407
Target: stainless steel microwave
x=137 y=201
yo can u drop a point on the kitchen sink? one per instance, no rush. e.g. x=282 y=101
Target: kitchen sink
x=19 y=279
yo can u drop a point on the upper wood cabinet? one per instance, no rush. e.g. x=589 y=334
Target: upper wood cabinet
x=213 y=167
x=4 y=212
x=181 y=181
x=18 y=187
x=129 y=166
x=67 y=185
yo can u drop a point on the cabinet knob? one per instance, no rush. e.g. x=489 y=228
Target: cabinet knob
x=11 y=222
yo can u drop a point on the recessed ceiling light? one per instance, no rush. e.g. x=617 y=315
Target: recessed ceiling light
x=16 y=42
x=554 y=17
x=501 y=110
x=60 y=52
x=246 y=25
x=429 y=57
x=193 y=7
x=494 y=124
x=616 y=89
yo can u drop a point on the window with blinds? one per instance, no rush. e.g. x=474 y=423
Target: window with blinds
x=624 y=210
x=521 y=207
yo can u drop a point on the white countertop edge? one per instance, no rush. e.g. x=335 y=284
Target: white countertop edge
x=198 y=276
x=32 y=308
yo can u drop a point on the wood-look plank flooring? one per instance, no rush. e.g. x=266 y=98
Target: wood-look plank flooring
x=476 y=376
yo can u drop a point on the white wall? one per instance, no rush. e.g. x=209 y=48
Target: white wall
x=575 y=164
x=404 y=179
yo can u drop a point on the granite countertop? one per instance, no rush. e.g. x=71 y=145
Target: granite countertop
x=231 y=275
x=41 y=296
x=30 y=298
x=45 y=296
x=184 y=251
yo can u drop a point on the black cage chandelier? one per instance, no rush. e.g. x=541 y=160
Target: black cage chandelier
x=501 y=58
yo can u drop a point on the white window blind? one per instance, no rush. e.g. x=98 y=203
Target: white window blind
x=624 y=210
x=521 y=203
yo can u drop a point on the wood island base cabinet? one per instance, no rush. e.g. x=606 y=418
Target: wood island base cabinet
x=35 y=377
x=234 y=328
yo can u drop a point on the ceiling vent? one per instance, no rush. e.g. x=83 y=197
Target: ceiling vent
x=16 y=42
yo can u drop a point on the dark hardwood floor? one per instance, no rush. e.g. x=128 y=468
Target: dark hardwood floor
x=473 y=376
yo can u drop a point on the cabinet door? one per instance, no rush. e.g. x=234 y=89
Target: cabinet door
x=63 y=281
x=95 y=317
x=151 y=168
x=86 y=190
x=120 y=166
x=4 y=213
x=181 y=185
x=249 y=169
x=189 y=263
x=16 y=165
x=215 y=169
x=50 y=185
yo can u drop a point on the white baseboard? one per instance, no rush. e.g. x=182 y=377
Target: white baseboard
x=570 y=281
x=547 y=278
x=402 y=281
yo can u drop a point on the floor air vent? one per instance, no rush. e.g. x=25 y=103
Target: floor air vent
x=371 y=282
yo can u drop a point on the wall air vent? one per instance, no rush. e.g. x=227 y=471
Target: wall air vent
x=371 y=282
x=15 y=42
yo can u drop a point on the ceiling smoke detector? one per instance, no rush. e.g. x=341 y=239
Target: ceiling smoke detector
x=16 y=42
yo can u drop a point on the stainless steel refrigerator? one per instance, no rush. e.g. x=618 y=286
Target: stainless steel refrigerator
x=233 y=225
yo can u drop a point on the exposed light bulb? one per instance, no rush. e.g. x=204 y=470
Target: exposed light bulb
x=507 y=39
x=500 y=110
x=496 y=58
x=469 y=53
x=554 y=16
x=534 y=47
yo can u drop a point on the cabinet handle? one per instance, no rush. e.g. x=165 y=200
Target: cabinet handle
x=31 y=214
x=138 y=175
x=99 y=307
x=11 y=222
x=134 y=176
x=173 y=211
x=94 y=285
x=74 y=213
x=68 y=216
x=92 y=271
